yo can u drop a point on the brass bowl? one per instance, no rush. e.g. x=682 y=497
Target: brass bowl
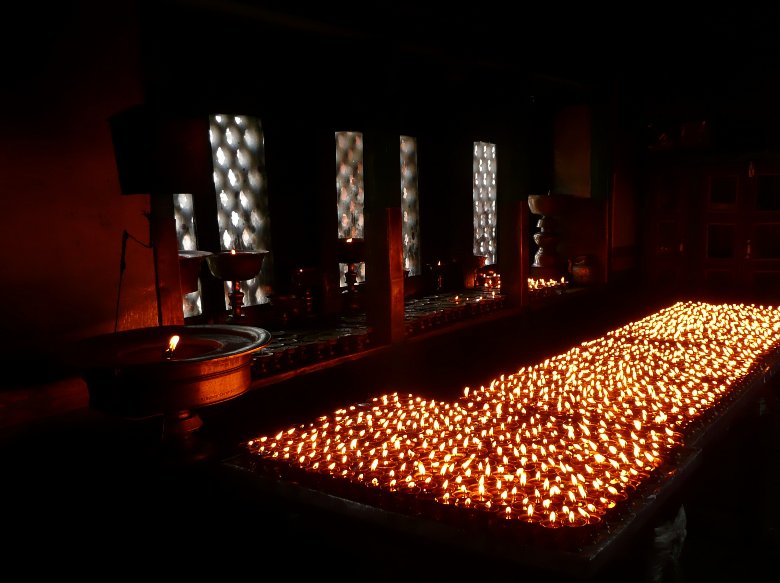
x=236 y=265
x=546 y=205
x=352 y=250
x=130 y=373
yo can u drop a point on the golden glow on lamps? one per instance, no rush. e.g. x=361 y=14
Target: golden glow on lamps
x=559 y=443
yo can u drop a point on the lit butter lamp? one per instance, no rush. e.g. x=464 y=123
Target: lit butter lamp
x=168 y=371
x=234 y=267
x=351 y=251
x=557 y=444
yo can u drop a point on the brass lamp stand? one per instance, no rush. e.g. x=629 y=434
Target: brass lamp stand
x=351 y=251
x=235 y=267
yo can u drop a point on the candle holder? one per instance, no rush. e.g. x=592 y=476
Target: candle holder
x=234 y=267
x=547 y=264
x=168 y=371
x=351 y=251
x=306 y=283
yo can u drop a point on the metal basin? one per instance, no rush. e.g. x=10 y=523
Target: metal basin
x=131 y=374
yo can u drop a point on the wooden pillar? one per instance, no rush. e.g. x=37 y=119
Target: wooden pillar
x=385 y=276
x=302 y=200
x=327 y=219
x=514 y=241
x=514 y=238
x=162 y=153
x=525 y=255
x=167 y=274
x=384 y=261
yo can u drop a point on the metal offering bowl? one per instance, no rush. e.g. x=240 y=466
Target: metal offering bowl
x=236 y=265
x=352 y=250
x=546 y=205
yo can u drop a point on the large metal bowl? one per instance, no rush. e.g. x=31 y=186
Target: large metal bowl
x=130 y=373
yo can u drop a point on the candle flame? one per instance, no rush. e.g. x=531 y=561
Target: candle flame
x=173 y=342
x=568 y=437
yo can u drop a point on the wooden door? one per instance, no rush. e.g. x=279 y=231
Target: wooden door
x=666 y=246
x=761 y=215
x=741 y=224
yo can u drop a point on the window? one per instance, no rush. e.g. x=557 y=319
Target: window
x=410 y=211
x=242 y=202
x=485 y=208
x=350 y=194
x=185 y=232
x=351 y=198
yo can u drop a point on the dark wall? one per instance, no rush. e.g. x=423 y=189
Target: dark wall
x=308 y=79
x=64 y=211
x=61 y=228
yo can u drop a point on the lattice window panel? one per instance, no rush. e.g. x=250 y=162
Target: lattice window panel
x=410 y=206
x=242 y=201
x=185 y=232
x=485 y=207
x=350 y=194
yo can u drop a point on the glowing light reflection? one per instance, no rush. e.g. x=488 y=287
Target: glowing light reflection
x=559 y=443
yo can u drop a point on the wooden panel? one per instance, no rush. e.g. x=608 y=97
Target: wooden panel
x=721 y=241
x=768 y=192
x=723 y=191
x=765 y=241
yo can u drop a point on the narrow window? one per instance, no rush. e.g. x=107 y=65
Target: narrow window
x=242 y=202
x=185 y=232
x=350 y=194
x=485 y=208
x=350 y=198
x=410 y=206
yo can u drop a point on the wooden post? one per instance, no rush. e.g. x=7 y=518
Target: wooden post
x=525 y=259
x=165 y=248
x=513 y=251
x=385 y=275
x=162 y=153
x=384 y=252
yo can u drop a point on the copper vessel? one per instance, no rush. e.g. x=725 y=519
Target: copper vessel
x=236 y=265
x=134 y=374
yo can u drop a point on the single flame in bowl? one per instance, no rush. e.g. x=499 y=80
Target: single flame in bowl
x=232 y=252
x=173 y=341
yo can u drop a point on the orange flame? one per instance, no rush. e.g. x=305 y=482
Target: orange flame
x=173 y=342
x=569 y=437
